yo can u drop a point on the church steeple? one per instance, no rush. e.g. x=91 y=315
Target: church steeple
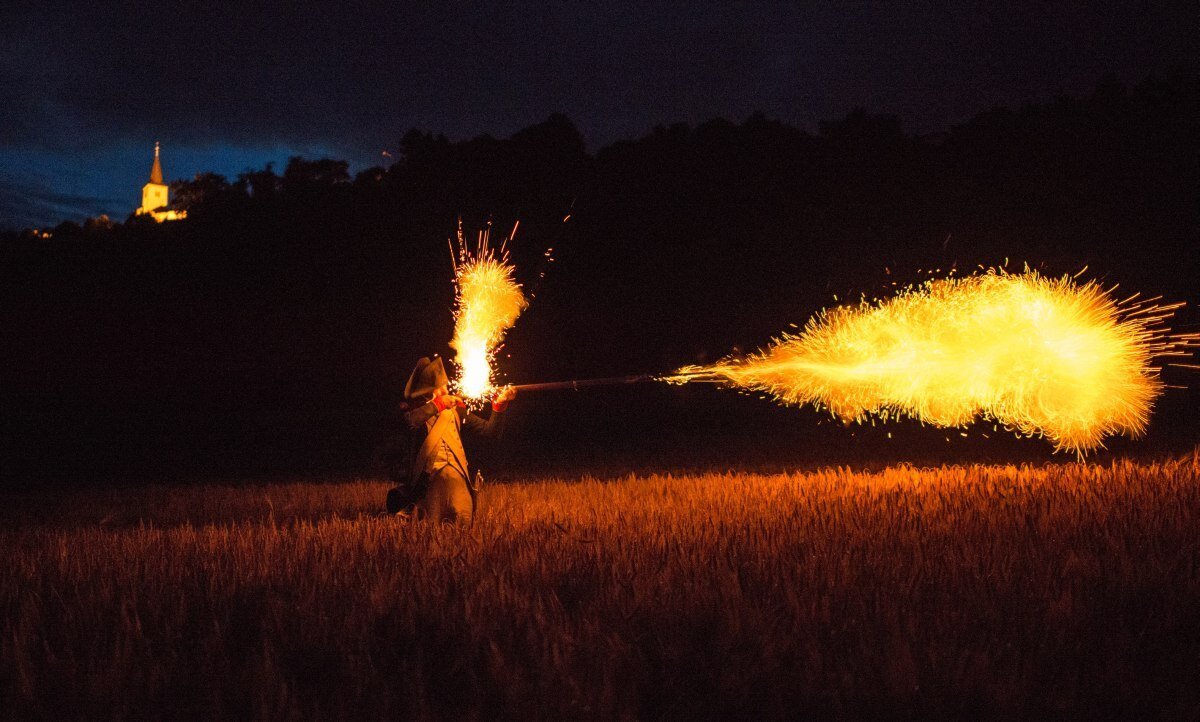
x=156 y=175
x=156 y=196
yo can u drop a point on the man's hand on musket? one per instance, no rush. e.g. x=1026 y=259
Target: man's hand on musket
x=503 y=397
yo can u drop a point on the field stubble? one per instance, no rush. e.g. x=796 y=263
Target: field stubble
x=1010 y=590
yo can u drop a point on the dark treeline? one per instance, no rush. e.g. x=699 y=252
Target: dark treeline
x=272 y=331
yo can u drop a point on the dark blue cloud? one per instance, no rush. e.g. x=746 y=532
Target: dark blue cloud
x=37 y=206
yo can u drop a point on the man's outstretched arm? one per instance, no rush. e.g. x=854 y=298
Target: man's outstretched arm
x=492 y=426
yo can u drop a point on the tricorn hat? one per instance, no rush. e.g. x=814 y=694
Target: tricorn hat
x=426 y=377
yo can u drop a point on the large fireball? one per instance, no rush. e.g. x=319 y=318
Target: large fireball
x=1041 y=356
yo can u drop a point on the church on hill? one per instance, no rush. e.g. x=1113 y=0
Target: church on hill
x=155 y=195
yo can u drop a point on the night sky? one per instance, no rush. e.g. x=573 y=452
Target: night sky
x=86 y=89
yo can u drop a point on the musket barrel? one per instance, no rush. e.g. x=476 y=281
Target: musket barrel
x=576 y=384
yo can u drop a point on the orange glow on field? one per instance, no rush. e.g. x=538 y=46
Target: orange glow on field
x=1041 y=356
x=487 y=304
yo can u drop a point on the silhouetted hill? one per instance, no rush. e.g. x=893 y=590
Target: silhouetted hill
x=272 y=331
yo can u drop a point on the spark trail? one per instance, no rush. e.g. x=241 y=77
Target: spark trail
x=1045 y=357
x=488 y=301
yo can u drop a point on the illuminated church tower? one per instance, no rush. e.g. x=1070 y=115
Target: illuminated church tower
x=155 y=195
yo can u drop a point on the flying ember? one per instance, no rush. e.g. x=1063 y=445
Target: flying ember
x=1040 y=356
x=487 y=303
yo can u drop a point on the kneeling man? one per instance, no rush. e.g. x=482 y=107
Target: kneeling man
x=439 y=483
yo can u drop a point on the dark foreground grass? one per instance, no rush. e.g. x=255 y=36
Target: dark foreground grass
x=994 y=590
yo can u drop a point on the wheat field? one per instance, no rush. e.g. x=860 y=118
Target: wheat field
x=960 y=591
